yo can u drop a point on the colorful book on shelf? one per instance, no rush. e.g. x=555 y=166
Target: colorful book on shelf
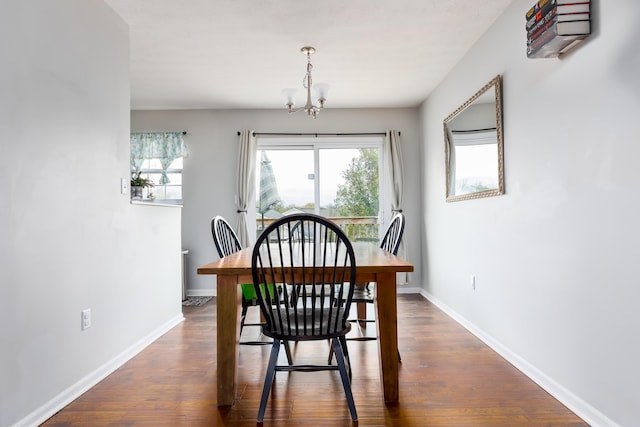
x=561 y=17
x=545 y=22
x=574 y=7
x=537 y=12
x=543 y=7
x=565 y=25
x=554 y=26
x=573 y=28
x=558 y=38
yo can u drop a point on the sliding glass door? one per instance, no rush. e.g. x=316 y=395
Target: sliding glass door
x=338 y=178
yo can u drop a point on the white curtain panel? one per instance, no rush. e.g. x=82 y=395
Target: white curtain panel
x=451 y=162
x=246 y=183
x=396 y=168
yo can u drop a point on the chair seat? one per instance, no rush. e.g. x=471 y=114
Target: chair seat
x=298 y=324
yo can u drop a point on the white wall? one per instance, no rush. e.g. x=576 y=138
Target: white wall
x=69 y=239
x=555 y=257
x=210 y=170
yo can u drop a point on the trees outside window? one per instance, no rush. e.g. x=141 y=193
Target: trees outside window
x=358 y=194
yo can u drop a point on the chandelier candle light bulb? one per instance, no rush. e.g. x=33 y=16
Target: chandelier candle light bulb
x=321 y=89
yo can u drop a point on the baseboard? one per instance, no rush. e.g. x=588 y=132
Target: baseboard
x=211 y=292
x=588 y=413
x=47 y=410
x=404 y=289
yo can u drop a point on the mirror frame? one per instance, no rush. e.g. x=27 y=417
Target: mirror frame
x=496 y=84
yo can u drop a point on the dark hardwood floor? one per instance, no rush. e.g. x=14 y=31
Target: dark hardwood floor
x=447 y=378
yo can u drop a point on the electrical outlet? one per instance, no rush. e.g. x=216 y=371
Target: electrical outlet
x=472 y=280
x=85 y=319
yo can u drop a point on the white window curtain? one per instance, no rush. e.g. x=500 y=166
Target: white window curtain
x=451 y=162
x=246 y=182
x=165 y=146
x=393 y=154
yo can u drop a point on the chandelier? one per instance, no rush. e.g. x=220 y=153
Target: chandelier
x=321 y=89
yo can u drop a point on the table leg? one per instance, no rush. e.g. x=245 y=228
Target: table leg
x=387 y=323
x=362 y=311
x=361 y=307
x=229 y=299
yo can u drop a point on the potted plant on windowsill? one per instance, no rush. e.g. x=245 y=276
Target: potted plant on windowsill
x=138 y=183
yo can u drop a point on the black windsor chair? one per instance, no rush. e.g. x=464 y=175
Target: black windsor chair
x=364 y=293
x=227 y=242
x=316 y=275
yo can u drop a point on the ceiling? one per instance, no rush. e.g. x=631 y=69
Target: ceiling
x=240 y=54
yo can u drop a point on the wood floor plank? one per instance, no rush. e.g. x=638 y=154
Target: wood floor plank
x=447 y=378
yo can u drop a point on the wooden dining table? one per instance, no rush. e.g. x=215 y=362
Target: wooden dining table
x=372 y=265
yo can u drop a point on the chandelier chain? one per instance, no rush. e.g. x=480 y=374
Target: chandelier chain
x=306 y=81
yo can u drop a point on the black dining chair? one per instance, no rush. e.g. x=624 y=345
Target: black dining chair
x=227 y=242
x=316 y=275
x=364 y=293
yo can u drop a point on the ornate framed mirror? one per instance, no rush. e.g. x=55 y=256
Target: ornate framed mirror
x=474 y=147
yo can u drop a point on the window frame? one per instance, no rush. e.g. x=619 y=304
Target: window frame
x=320 y=142
x=147 y=171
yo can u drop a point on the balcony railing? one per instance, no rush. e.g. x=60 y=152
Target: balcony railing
x=357 y=228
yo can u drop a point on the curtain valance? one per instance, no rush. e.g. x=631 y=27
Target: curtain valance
x=165 y=146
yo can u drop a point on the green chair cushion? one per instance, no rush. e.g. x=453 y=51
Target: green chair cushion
x=249 y=292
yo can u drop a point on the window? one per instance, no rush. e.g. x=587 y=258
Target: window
x=158 y=156
x=336 y=177
x=171 y=190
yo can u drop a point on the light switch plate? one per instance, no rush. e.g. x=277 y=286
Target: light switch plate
x=124 y=185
